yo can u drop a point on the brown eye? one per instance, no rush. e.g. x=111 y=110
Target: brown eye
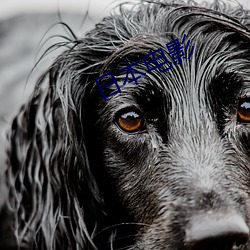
x=243 y=112
x=130 y=121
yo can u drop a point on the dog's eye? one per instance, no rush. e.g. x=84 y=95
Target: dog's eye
x=130 y=122
x=243 y=113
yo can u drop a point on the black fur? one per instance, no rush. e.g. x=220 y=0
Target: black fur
x=77 y=181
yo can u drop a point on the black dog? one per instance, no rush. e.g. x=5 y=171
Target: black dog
x=163 y=165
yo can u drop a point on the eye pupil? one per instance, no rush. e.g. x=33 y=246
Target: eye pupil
x=130 y=122
x=243 y=113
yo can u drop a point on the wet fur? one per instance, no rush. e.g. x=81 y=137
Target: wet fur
x=78 y=182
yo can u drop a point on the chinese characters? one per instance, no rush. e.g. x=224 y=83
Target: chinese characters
x=155 y=60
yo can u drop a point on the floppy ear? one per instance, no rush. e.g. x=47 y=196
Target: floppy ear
x=51 y=186
x=53 y=195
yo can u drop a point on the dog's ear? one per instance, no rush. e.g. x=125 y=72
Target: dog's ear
x=53 y=195
x=51 y=186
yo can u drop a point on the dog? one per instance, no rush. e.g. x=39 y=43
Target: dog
x=164 y=164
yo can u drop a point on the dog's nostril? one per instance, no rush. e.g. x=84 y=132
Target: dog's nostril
x=223 y=242
x=217 y=232
x=241 y=241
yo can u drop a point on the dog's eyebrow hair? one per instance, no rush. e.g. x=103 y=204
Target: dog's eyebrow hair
x=227 y=80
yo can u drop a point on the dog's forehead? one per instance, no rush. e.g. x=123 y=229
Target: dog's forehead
x=194 y=76
x=213 y=56
x=220 y=46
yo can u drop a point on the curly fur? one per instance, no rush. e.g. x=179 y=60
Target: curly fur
x=75 y=181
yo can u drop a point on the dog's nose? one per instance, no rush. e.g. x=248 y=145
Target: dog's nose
x=217 y=232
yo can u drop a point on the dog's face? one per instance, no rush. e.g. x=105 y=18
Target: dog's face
x=175 y=147
x=162 y=165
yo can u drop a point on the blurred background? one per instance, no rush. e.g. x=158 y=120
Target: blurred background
x=25 y=27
